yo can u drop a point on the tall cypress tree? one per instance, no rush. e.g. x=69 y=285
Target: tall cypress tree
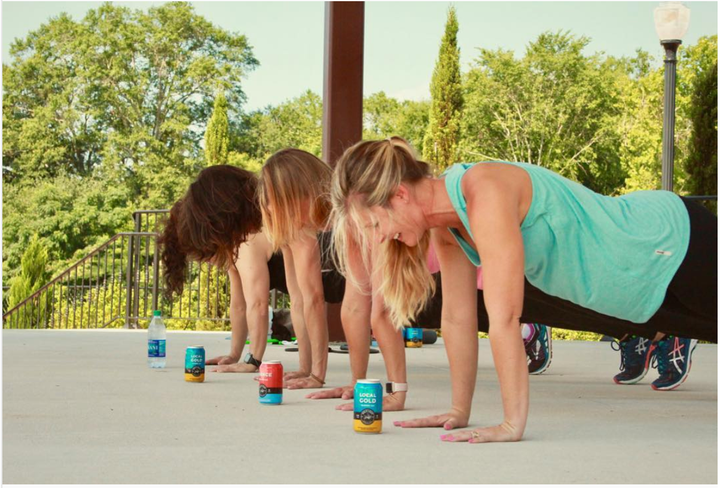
x=701 y=164
x=217 y=136
x=441 y=138
x=32 y=277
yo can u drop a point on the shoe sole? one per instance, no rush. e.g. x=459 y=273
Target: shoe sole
x=545 y=366
x=693 y=345
x=639 y=378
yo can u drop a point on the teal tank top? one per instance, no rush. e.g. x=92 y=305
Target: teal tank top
x=613 y=255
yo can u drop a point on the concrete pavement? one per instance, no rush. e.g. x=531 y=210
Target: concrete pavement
x=83 y=407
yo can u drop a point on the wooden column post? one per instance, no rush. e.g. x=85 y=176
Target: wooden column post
x=342 y=96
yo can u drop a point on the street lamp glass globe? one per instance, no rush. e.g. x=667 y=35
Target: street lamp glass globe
x=671 y=20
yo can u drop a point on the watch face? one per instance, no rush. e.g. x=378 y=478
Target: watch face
x=248 y=357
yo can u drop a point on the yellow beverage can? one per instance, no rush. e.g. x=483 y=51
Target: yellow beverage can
x=367 y=415
x=195 y=364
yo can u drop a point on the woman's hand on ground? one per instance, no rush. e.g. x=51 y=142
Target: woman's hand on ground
x=235 y=368
x=344 y=392
x=391 y=403
x=291 y=375
x=504 y=432
x=451 y=420
x=300 y=383
x=223 y=360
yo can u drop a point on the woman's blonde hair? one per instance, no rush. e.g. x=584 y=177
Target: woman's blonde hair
x=368 y=174
x=288 y=179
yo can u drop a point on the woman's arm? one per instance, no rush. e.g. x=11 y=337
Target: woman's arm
x=297 y=315
x=308 y=273
x=253 y=269
x=238 y=324
x=390 y=342
x=355 y=317
x=459 y=332
x=495 y=223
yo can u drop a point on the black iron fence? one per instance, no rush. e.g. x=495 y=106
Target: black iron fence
x=119 y=284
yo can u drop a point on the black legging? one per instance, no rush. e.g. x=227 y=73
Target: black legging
x=689 y=308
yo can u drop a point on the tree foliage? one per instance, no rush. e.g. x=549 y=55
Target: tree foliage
x=217 y=135
x=385 y=117
x=554 y=107
x=701 y=164
x=440 y=143
x=33 y=274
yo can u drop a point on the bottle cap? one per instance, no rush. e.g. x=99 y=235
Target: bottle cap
x=157 y=313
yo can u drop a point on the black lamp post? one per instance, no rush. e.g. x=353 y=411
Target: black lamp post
x=671 y=23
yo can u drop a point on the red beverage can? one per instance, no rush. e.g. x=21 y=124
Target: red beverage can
x=271 y=382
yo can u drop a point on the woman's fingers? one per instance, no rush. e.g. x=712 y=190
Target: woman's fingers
x=481 y=436
x=432 y=421
x=462 y=436
x=345 y=407
x=324 y=394
x=303 y=383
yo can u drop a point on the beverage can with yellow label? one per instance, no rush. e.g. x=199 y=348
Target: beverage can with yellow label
x=367 y=416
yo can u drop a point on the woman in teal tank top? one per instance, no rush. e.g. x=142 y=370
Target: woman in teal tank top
x=624 y=262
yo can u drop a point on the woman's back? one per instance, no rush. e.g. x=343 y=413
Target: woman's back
x=614 y=255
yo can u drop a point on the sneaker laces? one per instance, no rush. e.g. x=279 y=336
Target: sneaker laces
x=622 y=352
x=661 y=360
x=631 y=351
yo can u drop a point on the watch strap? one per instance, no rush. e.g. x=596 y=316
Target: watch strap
x=392 y=387
x=251 y=360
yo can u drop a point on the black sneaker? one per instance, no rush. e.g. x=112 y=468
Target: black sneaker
x=538 y=348
x=674 y=359
x=635 y=354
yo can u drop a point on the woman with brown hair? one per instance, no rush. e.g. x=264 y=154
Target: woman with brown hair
x=643 y=264
x=218 y=221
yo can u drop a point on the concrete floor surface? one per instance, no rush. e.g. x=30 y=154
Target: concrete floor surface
x=83 y=407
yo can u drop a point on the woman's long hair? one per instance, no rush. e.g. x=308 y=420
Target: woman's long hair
x=367 y=175
x=210 y=221
x=289 y=180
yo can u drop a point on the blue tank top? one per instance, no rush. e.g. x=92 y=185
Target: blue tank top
x=613 y=255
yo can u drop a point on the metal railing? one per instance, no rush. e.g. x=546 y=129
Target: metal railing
x=119 y=285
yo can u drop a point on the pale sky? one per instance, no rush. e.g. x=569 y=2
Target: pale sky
x=401 y=38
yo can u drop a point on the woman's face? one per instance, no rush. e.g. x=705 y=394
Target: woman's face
x=401 y=221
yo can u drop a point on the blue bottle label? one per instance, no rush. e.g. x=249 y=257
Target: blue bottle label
x=161 y=348
x=152 y=349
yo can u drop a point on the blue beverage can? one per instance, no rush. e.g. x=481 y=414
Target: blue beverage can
x=413 y=337
x=271 y=382
x=195 y=364
x=367 y=415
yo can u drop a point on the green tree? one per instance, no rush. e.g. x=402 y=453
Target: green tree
x=441 y=139
x=120 y=92
x=32 y=277
x=384 y=116
x=294 y=123
x=701 y=164
x=554 y=107
x=216 y=135
x=71 y=216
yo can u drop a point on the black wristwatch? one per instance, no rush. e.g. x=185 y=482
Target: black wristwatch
x=249 y=359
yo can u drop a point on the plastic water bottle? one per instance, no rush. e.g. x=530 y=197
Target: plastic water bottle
x=156 y=341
